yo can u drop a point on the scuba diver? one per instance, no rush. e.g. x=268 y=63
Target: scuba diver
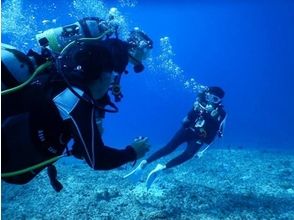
x=60 y=95
x=202 y=124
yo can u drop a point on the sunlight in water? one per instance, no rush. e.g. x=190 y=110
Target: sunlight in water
x=128 y=3
x=88 y=8
x=18 y=24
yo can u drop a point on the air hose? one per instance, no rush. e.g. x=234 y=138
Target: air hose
x=86 y=39
x=40 y=69
x=31 y=168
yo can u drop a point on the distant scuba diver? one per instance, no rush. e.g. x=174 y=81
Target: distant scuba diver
x=202 y=124
x=61 y=94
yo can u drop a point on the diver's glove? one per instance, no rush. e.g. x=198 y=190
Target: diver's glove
x=136 y=174
x=153 y=174
x=140 y=146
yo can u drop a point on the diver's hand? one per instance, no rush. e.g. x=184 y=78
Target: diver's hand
x=141 y=146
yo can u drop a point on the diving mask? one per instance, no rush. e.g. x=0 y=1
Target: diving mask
x=140 y=46
x=210 y=98
x=207 y=101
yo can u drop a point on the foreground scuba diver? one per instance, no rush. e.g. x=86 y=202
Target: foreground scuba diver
x=66 y=100
x=202 y=124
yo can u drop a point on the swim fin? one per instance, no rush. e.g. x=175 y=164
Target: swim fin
x=153 y=175
x=135 y=175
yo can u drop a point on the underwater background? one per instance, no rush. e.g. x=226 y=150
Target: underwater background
x=245 y=47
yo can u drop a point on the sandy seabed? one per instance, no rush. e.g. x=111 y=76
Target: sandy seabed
x=223 y=184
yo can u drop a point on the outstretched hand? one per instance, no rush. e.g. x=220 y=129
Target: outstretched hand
x=141 y=146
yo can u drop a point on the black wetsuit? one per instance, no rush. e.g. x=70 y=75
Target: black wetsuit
x=201 y=127
x=38 y=122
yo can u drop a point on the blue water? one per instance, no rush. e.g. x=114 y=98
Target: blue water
x=246 y=47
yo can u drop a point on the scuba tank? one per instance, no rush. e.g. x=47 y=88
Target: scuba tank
x=21 y=161
x=16 y=66
x=19 y=69
x=91 y=27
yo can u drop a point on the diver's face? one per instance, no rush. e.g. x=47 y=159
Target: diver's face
x=213 y=99
x=209 y=101
x=100 y=86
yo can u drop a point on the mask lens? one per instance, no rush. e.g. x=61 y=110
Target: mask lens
x=212 y=98
x=140 y=44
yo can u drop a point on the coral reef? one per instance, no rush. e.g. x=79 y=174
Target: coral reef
x=223 y=184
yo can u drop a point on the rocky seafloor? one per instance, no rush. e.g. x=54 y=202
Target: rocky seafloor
x=223 y=184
